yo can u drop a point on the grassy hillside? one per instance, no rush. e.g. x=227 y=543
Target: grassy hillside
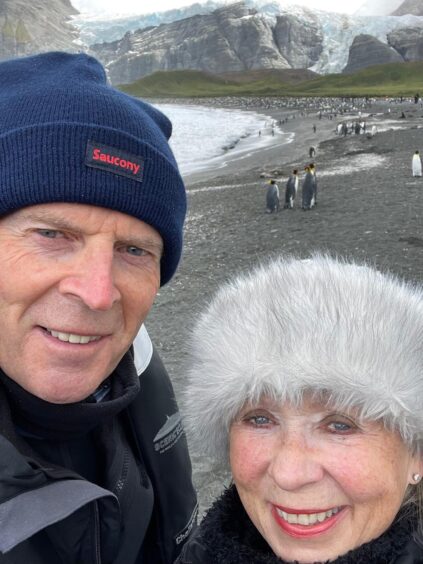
x=290 y=76
x=382 y=80
x=393 y=79
x=190 y=83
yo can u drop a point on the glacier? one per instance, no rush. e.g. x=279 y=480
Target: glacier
x=338 y=29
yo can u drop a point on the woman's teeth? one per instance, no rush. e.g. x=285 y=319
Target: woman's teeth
x=72 y=338
x=306 y=518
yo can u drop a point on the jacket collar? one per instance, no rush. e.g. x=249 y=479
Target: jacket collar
x=230 y=536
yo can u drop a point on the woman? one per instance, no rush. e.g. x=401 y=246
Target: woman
x=307 y=383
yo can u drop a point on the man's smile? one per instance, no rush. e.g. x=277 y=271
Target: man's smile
x=72 y=337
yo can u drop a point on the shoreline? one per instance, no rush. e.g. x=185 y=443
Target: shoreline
x=297 y=123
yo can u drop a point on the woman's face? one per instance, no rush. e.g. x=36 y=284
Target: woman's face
x=316 y=482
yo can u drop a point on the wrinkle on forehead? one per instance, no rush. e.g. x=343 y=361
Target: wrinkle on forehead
x=83 y=218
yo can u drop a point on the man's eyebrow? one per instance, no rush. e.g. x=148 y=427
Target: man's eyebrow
x=53 y=220
x=63 y=224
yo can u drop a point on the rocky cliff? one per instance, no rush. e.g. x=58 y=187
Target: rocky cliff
x=239 y=37
x=366 y=51
x=408 y=42
x=36 y=26
x=300 y=40
x=403 y=45
x=413 y=7
x=233 y=38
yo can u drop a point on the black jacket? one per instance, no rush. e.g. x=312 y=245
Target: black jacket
x=51 y=515
x=227 y=536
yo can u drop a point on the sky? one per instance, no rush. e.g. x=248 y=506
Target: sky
x=109 y=7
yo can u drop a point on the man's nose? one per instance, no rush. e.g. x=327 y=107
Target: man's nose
x=295 y=464
x=91 y=279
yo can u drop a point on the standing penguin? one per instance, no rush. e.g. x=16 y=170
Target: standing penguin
x=416 y=164
x=272 y=197
x=291 y=189
x=313 y=172
x=307 y=189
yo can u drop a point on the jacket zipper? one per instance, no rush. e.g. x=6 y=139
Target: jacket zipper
x=97 y=550
x=124 y=473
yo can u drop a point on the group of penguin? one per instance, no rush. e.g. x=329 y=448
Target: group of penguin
x=309 y=187
x=308 y=191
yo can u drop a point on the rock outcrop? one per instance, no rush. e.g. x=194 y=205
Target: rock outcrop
x=36 y=26
x=233 y=38
x=299 y=40
x=408 y=42
x=366 y=51
x=413 y=7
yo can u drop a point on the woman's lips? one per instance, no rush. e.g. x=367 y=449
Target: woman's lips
x=306 y=523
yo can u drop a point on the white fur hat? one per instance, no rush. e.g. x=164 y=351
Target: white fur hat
x=319 y=325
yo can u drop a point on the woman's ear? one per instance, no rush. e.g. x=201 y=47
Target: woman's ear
x=416 y=471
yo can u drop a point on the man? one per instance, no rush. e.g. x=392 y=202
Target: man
x=94 y=462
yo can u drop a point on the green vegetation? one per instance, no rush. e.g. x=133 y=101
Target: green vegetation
x=397 y=79
x=393 y=79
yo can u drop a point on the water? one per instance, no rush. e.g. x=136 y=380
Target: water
x=205 y=138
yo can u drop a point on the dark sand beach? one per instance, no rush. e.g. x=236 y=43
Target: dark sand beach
x=369 y=208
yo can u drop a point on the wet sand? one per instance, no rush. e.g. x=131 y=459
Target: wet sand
x=369 y=208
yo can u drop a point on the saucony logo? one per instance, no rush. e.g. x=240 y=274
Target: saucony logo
x=116 y=161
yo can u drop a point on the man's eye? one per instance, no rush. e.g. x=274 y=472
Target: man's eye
x=49 y=233
x=135 y=251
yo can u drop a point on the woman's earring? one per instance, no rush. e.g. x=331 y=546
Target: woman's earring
x=416 y=478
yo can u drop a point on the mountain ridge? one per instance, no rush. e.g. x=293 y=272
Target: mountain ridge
x=96 y=30
x=238 y=38
x=28 y=28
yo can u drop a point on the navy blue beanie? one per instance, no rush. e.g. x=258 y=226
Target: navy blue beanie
x=68 y=136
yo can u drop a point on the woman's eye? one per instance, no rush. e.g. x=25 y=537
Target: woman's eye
x=341 y=427
x=259 y=420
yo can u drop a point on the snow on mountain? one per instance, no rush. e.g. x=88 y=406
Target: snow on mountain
x=111 y=28
x=378 y=7
x=338 y=30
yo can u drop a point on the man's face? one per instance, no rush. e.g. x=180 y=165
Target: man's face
x=76 y=283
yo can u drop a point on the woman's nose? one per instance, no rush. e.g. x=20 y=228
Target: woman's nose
x=295 y=464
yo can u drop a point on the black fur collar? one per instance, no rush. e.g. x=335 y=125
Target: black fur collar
x=231 y=538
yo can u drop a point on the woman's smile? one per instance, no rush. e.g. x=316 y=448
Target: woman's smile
x=303 y=523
